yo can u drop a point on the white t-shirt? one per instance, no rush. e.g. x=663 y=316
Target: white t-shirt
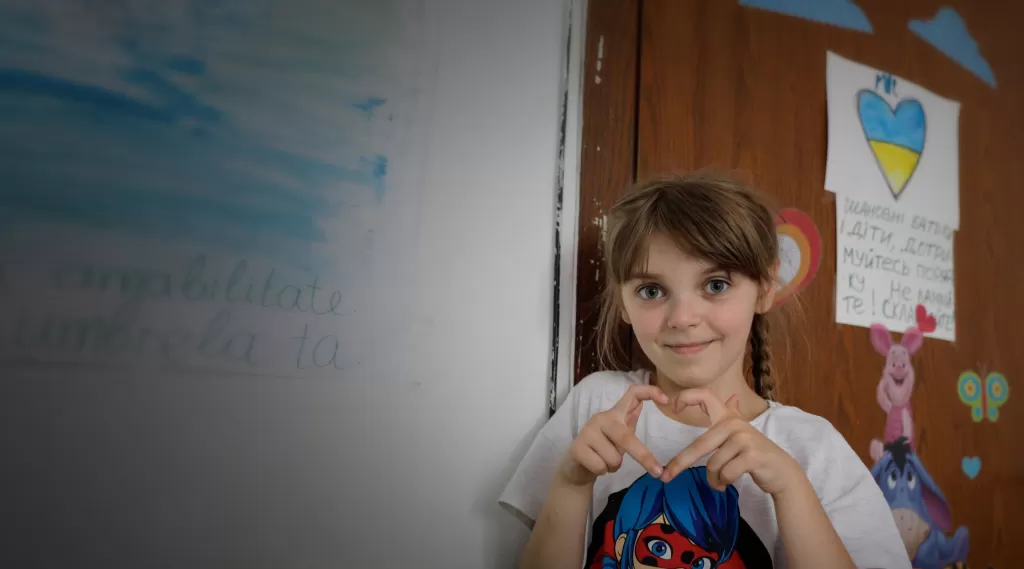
x=693 y=520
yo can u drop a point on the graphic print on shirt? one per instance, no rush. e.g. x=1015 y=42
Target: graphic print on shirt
x=684 y=524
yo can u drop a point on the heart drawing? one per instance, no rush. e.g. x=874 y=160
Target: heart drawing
x=799 y=252
x=971 y=466
x=925 y=322
x=896 y=136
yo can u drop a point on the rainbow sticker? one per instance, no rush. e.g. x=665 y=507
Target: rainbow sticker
x=799 y=252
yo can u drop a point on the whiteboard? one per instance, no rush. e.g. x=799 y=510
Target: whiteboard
x=225 y=186
x=140 y=462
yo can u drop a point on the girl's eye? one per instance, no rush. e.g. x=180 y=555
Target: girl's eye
x=650 y=292
x=702 y=563
x=717 y=286
x=660 y=548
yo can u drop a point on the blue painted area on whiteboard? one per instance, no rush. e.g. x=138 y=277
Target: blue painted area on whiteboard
x=841 y=13
x=216 y=122
x=948 y=33
x=369 y=104
x=904 y=126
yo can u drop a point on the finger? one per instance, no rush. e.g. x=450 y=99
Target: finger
x=637 y=394
x=628 y=442
x=729 y=450
x=606 y=450
x=733 y=403
x=712 y=439
x=706 y=400
x=741 y=464
x=633 y=416
x=588 y=458
x=678 y=405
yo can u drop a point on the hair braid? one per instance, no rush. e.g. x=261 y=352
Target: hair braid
x=761 y=358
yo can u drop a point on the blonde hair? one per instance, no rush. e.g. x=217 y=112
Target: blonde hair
x=708 y=216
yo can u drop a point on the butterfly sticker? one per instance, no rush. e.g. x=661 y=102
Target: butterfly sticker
x=984 y=398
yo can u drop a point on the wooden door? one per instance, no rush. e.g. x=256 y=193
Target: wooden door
x=679 y=85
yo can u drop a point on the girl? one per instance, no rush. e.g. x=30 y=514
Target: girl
x=688 y=465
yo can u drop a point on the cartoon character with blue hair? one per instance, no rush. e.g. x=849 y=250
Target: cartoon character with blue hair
x=684 y=524
x=919 y=508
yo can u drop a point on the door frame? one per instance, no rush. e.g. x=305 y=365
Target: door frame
x=607 y=159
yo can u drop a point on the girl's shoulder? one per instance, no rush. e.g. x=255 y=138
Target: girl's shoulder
x=611 y=381
x=809 y=438
x=610 y=385
x=601 y=390
x=789 y=418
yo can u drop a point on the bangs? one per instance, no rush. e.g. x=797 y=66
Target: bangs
x=725 y=231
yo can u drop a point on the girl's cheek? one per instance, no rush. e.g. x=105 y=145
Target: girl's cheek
x=647 y=324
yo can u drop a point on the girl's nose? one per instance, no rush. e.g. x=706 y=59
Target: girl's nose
x=684 y=313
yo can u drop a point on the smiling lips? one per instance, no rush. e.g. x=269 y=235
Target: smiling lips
x=689 y=349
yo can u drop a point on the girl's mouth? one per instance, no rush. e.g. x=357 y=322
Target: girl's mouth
x=689 y=349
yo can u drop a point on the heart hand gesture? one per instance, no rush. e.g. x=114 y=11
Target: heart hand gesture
x=738 y=448
x=608 y=435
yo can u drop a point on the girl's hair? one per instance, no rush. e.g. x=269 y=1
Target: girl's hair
x=708 y=216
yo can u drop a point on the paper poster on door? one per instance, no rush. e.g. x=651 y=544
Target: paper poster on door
x=894 y=268
x=891 y=141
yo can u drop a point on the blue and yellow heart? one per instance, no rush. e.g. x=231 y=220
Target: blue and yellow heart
x=896 y=136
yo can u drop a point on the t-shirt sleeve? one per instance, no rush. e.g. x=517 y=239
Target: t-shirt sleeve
x=858 y=510
x=525 y=492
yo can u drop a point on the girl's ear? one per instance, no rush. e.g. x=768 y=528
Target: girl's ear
x=764 y=304
x=621 y=307
x=767 y=298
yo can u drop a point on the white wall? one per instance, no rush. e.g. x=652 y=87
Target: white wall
x=122 y=469
x=486 y=280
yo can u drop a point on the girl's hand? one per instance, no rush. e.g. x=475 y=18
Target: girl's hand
x=738 y=448
x=599 y=447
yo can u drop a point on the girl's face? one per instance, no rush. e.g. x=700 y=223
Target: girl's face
x=690 y=318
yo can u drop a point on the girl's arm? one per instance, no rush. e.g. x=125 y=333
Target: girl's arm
x=851 y=523
x=807 y=535
x=558 y=536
